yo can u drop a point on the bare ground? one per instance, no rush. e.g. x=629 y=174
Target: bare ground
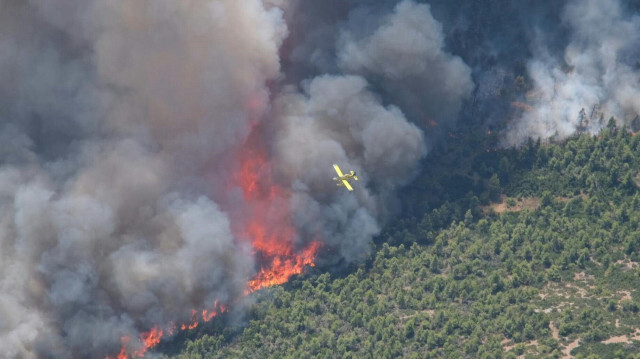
x=627 y=339
x=618 y=339
x=430 y=312
x=628 y=264
x=531 y=203
x=626 y=295
x=506 y=348
x=555 y=334
x=567 y=350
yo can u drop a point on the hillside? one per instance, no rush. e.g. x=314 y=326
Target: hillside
x=528 y=252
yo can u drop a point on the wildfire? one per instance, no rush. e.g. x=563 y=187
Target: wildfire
x=194 y=322
x=269 y=225
x=148 y=339
x=152 y=338
x=123 y=352
x=283 y=266
x=269 y=228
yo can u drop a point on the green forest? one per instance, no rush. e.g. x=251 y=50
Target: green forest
x=529 y=252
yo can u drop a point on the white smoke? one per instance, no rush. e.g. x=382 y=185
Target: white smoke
x=599 y=75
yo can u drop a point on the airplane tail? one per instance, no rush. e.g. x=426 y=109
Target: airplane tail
x=354 y=175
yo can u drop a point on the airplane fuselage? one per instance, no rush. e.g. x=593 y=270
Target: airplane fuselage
x=346 y=177
x=343 y=179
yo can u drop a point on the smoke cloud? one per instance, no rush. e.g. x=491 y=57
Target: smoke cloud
x=404 y=57
x=116 y=118
x=122 y=125
x=127 y=125
x=377 y=77
x=596 y=78
x=338 y=120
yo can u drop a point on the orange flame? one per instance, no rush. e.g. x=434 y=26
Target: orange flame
x=123 y=351
x=269 y=225
x=152 y=338
x=207 y=315
x=283 y=266
x=149 y=340
x=194 y=322
x=269 y=228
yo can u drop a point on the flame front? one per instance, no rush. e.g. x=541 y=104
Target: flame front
x=267 y=225
x=152 y=338
x=283 y=265
x=148 y=340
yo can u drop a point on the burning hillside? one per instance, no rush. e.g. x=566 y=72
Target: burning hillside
x=162 y=159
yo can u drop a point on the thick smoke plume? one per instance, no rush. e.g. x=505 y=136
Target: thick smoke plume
x=157 y=154
x=117 y=120
x=404 y=56
x=596 y=78
x=366 y=108
x=337 y=120
x=144 y=141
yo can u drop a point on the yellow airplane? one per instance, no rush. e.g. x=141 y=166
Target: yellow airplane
x=343 y=180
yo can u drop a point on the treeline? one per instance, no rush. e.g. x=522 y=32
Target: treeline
x=454 y=279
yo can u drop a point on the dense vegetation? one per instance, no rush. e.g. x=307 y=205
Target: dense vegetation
x=551 y=270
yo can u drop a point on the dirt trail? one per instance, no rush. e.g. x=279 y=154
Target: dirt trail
x=618 y=339
x=567 y=350
x=626 y=295
x=554 y=331
x=623 y=338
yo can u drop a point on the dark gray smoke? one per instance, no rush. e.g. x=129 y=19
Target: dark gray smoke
x=404 y=56
x=337 y=120
x=114 y=119
x=377 y=78
x=121 y=123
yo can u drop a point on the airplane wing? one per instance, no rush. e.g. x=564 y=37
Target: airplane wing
x=338 y=170
x=346 y=184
